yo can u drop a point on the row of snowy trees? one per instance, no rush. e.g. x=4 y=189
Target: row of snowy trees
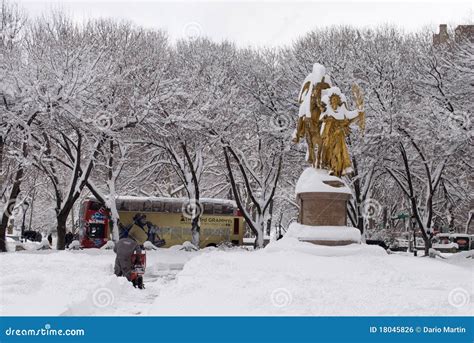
x=107 y=108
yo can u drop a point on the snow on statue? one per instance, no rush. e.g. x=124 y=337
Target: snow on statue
x=324 y=121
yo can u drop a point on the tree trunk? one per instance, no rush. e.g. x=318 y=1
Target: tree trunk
x=427 y=241
x=61 y=227
x=469 y=220
x=115 y=230
x=360 y=219
x=15 y=191
x=2 y=144
x=269 y=220
x=196 y=231
x=259 y=240
x=62 y=224
x=3 y=232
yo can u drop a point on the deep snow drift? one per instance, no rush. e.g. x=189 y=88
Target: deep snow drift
x=289 y=277
x=286 y=278
x=50 y=282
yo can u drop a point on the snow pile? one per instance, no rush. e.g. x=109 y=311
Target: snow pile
x=11 y=244
x=433 y=253
x=102 y=297
x=188 y=246
x=289 y=277
x=316 y=76
x=463 y=258
x=110 y=245
x=316 y=180
x=14 y=245
x=445 y=246
x=292 y=244
x=44 y=245
x=79 y=282
x=149 y=246
x=323 y=233
x=75 y=245
x=342 y=112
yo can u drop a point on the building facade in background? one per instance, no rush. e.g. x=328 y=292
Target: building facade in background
x=462 y=32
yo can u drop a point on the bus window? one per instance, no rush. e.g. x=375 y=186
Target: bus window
x=94 y=206
x=236 y=226
x=120 y=205
x=148 y=206
x=157 y=207
x=135 y=206
x=176 y=208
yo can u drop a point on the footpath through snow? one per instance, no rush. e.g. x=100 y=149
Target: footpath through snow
x=286 y=278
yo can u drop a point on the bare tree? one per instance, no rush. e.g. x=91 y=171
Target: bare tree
x=421 y=205
x=260 y=185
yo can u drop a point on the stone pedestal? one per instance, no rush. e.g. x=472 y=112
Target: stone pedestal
x=322 y=219
x=323 y=209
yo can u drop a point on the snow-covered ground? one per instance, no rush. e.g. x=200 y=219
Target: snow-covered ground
x=80 y=282
x=286 y=278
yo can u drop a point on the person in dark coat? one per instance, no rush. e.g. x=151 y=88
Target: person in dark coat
x=125 y=248
x=69 y=238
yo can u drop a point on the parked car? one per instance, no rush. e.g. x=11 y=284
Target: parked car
x=452 y=243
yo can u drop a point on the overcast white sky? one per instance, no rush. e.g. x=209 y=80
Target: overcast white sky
x=262 y=23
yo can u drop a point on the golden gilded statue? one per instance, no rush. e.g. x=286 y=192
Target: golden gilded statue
x=324 y=121
x=309 y=123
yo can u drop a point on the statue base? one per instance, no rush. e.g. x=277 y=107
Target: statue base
x=322 y=219
x=324 y=235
